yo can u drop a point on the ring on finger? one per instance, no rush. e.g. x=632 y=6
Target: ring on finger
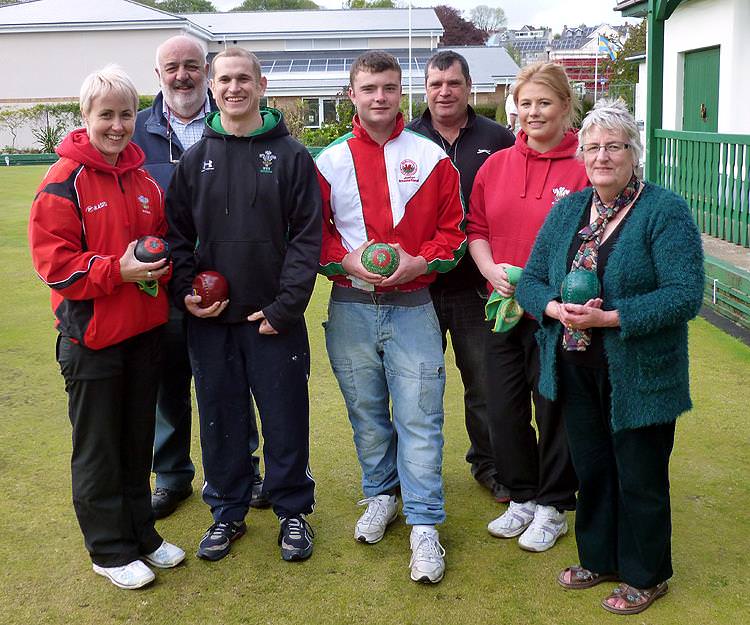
x=149 y=274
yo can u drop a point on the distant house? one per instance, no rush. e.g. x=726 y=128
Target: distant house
x=575 y=48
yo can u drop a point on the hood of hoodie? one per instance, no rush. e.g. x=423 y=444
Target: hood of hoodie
x=273 y=126
x=77 y=147
x=563 y=150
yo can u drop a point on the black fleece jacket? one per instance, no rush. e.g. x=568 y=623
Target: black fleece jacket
x=475 y=142
x=249 y=208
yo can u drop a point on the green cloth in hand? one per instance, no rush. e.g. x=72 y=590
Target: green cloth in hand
x=504 y=311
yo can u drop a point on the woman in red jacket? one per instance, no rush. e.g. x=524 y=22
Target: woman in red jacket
x=512 y=195
x=90 y=209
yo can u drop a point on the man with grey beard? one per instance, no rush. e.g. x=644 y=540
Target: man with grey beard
x=173 y=124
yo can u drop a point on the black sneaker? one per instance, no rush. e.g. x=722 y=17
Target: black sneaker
x=258 y=499
x=218 y=539
x=164 y=501
x=295 y=538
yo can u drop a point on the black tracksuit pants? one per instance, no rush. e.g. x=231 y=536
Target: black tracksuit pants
x=111 y=405
x=623 y=518
x=230 y=361
x=533 y=468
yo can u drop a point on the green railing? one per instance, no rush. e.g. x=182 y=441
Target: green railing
x=712 y=172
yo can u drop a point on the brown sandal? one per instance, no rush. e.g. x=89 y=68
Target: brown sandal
x=581 y=578
x=637 y=600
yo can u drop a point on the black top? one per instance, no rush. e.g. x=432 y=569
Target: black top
x=249 y=208
x=594 y=356
x=474 y=144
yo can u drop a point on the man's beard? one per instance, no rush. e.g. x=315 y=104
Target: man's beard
x=185 y=104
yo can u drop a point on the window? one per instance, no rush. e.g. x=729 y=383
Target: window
x=329 y=111
x=317 y=109
x=311 y=112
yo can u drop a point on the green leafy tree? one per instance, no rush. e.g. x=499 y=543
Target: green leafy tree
x=514 y=53
x=487 y=19
x=275 y=5
x=181 y=6
x=624 y=74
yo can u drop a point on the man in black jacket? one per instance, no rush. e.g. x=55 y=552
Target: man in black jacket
x=459 y=295
x=244 y=201
x=175 y=122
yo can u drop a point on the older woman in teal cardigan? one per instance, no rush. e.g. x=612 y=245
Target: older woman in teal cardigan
x=614 y=351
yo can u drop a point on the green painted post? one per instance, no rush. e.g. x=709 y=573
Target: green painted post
x=655 y=92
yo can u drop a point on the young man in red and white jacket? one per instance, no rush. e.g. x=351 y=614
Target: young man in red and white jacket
x=386 y=185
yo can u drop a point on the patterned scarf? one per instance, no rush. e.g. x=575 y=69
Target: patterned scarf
x=587 y=255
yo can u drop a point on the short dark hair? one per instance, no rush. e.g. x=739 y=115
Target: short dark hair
x=443 y=60
x=374 y=61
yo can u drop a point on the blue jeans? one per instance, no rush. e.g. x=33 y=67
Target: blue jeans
x=383 y=354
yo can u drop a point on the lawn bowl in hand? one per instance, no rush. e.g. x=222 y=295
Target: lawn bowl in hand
x=380 y=258
x=579 y=286
x=211 y=286
x=150 y=249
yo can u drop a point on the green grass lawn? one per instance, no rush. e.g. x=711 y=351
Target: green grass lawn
x=46 y=577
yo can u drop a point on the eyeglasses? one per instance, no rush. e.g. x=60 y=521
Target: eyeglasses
x=592 y=149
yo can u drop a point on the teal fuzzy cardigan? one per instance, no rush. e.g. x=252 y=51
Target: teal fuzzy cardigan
x=653 y=278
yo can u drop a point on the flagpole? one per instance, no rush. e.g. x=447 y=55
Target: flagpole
x=410 y=62
x=596 y=68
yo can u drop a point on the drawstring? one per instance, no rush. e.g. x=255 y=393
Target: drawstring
x=226 y=187
x=525 y=173
x=544 y=180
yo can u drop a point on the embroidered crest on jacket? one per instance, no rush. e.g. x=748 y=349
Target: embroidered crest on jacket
x=267 y=159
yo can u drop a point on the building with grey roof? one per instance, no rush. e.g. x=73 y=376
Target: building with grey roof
x=304 y=54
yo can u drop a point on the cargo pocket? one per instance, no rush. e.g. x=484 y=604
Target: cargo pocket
x=431 y=387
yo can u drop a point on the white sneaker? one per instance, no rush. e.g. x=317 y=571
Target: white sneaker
x=133 y=575
x=166 y=556
x=513 y=521
x=427 y=556
x=381 y=510
x=548 y=525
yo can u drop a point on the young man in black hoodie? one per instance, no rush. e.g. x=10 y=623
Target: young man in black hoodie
x=459 y=295
x=244 y=201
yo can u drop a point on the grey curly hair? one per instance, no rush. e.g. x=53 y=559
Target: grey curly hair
x=613 y=115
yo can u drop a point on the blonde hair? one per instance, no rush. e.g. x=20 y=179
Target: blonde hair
x=110 y=79
x=553 y=77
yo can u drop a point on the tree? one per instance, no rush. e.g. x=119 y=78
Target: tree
x=12 y=120
x=458 y=32
x=181 y=6
x=624 y=74
x=487 y=19
x=369 y=4
x=275 y=5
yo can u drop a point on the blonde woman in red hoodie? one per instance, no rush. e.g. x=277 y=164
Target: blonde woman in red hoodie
x=90 y=209
x=512 y=195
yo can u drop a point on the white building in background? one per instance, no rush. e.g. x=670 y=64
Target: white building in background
x=47 y=47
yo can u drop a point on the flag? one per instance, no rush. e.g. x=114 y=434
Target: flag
x=606 y=46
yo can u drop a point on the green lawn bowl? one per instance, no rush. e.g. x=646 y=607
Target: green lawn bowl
x=380 y=258
x=579 y=286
